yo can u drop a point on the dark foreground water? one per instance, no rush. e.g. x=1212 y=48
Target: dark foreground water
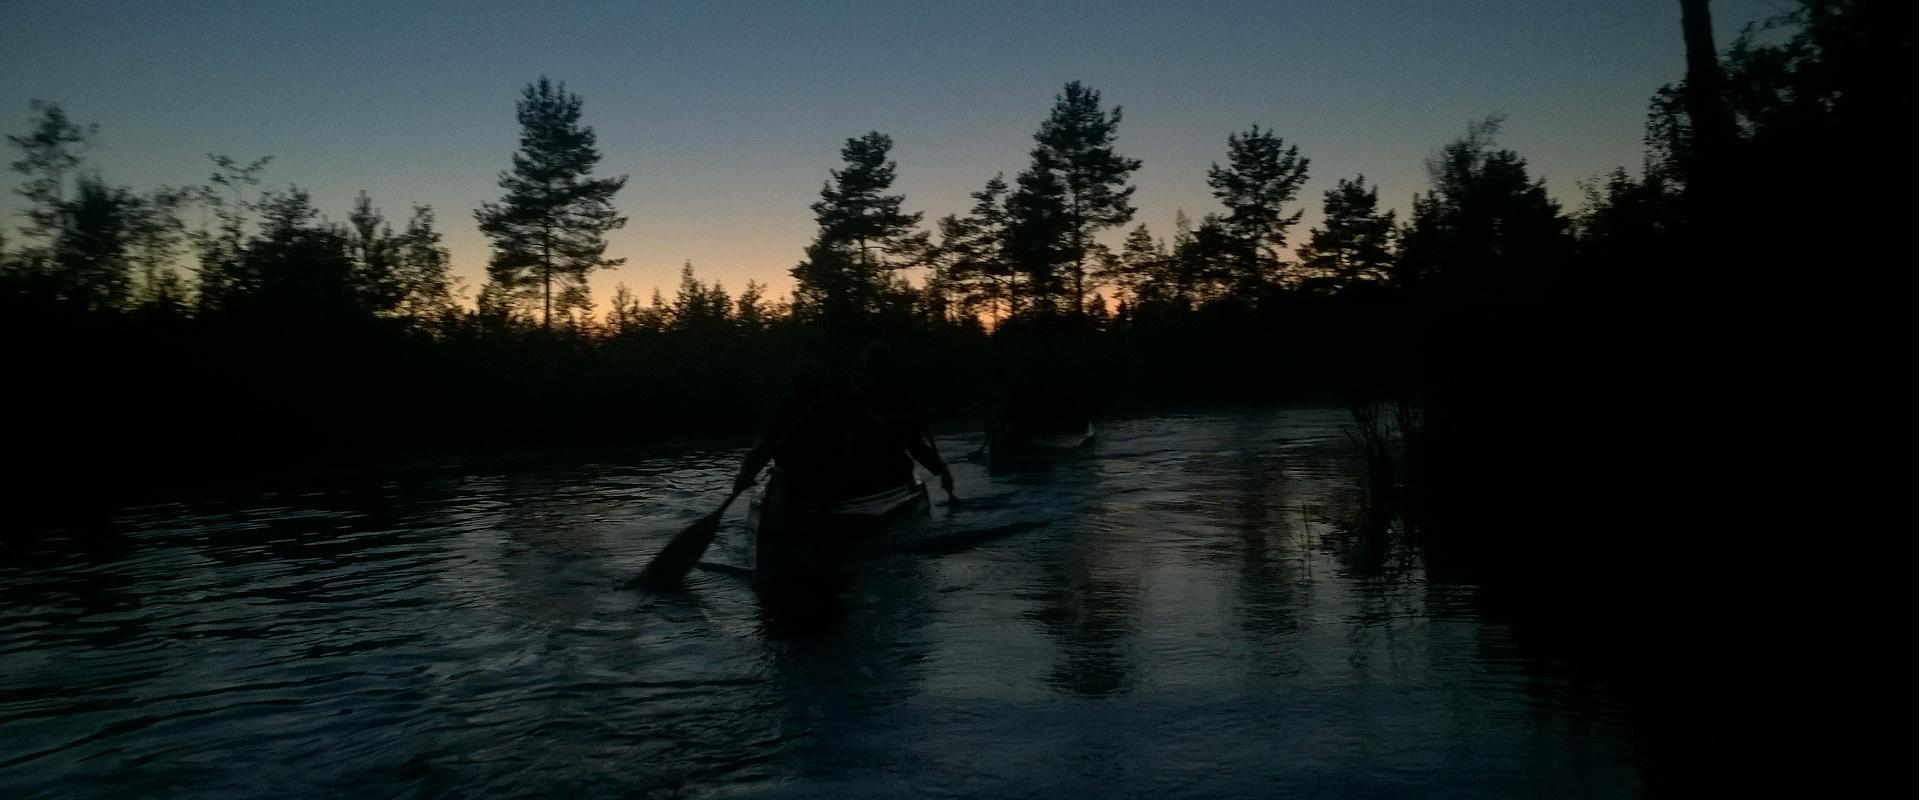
x=1205 y=613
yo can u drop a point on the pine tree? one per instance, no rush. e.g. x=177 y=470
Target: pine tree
x=972 y=258
x=94 y=252
x=1262 y=175
x=422 y=270
x=223 y=275
x=1486 y=229
x=1040 y=234
x=1097 y=310
x=750 y=309
x=303 y=268
x=375 y=274
x=1088 y=185
x=1133 y=272
x=549 y=229
x=1354 y=242
x=157 y=234
x=863 y=236
x=1624 y=219
x=697 y=306
x=1179 y=280
x=623 y=312
x=49 y=155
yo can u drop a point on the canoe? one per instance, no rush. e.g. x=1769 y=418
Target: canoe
x=1005 y=452
x=1065 y=441
x=792 y=538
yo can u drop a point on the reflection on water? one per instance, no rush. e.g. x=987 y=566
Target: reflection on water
x=1198 y=606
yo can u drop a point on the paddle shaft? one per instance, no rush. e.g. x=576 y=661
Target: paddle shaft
x=673 y=561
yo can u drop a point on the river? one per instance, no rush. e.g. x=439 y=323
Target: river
x=1195 y=606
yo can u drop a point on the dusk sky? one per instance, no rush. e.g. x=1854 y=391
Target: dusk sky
x=727 y=116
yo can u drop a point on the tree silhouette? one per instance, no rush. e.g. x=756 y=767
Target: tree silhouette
x=82 y=248
x=1626 y=220
x=1040 y=232
x=1485 y=230
x=751 y=310
x=548 y=231
x=1076 y=174
x=698 y=306
x=92 y=255
x=157 y=235
x=421 y=271
x=623 y=312
x=1207 y=262
x=863 y=235
x=303 y=270
x=1181 y=274
x=376 y=276
x=1262 y=175
x=1354 y=241
x=1704 y=95
x=1140 y=271
x=49 y=154
x=972 y=257
x=223 y=274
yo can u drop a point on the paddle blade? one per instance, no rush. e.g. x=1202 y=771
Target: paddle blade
x=673 y=561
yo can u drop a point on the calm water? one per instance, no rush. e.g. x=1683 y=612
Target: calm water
x=1204 y=613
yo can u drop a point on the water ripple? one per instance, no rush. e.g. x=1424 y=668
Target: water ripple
x=1188 y=609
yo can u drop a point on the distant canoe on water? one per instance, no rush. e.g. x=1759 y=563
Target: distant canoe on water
x=1063 y=441
x=1004 y=450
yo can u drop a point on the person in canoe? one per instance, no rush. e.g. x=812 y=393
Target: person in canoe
x=845 y=453
x=882 y=393
x=1041 y=402
x=845 y=456
x=833 y=440
x=799 y=436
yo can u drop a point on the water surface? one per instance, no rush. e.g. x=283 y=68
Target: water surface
x=1197 y=606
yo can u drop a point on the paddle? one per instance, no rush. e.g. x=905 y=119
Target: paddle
x=668 y=567
x=672 y=563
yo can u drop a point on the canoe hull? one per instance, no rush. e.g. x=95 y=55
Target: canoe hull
x=1006 y=453
x=790 y=539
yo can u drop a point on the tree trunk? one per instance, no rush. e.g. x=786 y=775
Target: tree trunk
x=1713 y=130
x=546 y=279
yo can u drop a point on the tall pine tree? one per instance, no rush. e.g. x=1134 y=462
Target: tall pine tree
x=548 y=230
x=1077 y=175
x=973 y=263
x=421 y=270
x=1354 y=242
x=375 y=275
x=1262 y=175
x=1040 y=233
x=863 y=236
x=1135 y=272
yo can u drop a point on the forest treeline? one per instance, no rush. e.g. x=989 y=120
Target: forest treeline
x=234 y=327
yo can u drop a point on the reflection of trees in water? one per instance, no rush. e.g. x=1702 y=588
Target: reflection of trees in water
x=1086 y=595
x=1242 y=491
x=1271 y=552
x=1090 y=608
x=1286 y=496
